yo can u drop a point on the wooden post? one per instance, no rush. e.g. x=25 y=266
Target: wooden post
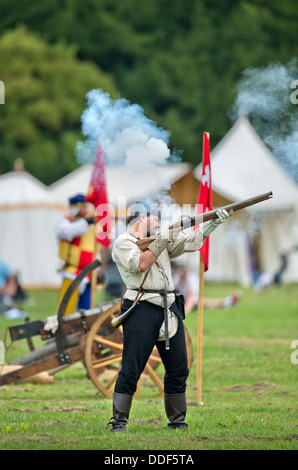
x=200 y=331
x=93 y=280
x=138 y=391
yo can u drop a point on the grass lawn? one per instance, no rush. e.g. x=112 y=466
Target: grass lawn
x=249 y=388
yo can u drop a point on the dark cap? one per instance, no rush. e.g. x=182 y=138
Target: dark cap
x=77 y=199
x=144 y=207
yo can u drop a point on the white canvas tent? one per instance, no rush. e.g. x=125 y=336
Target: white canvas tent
x=242 y=167
x=27 y=241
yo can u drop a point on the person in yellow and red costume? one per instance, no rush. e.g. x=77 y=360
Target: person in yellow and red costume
x=76 y=236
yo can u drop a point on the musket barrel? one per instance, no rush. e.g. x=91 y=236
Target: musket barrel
x=235 y=206
x=206 y=216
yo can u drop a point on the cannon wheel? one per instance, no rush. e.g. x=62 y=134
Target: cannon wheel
x=103 y=353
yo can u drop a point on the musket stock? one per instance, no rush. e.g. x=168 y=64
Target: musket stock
x=144 y=243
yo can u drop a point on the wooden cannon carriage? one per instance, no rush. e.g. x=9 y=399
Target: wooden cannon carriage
x=86 y=336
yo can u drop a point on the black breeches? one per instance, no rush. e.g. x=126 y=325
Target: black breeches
x=140 y=333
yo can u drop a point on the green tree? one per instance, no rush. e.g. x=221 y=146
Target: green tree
x=45 y=88
x=180 y=60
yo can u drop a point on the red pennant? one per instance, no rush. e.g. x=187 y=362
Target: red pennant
x=205 y=195
x=97 y=195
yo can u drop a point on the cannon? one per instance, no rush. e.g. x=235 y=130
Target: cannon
x=86 y=336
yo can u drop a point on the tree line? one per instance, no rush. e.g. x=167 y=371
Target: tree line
x=179 y=60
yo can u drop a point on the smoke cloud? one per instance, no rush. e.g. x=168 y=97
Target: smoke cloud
x=127 y=136
x=265 y=96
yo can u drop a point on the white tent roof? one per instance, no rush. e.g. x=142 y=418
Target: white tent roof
x=120 y=181
x=242 y=167
x=28 y=212
x=22 y=189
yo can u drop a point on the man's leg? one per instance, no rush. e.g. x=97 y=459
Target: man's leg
x=121 y=408
x=176 y=408
x=176 y=367
x=140 y=332
x=85 y=298
x=72 y=304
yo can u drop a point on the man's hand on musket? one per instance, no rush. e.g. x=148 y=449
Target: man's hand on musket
x=208 y=227
x=223 y=216
x=148 y=257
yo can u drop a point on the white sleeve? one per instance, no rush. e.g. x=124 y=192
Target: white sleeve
x=126 y=253
x=186 y=243
x=67 y=230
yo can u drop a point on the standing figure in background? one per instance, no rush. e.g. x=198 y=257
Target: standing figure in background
x=77 y=249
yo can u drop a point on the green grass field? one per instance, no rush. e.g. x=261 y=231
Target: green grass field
x=249 y=387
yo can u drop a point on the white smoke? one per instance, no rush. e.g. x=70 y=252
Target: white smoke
x=264 y=96
x=127 y=136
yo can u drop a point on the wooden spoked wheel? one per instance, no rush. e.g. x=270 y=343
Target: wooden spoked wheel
x=103 y=354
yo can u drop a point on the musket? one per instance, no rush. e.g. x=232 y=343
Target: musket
x=187 y=222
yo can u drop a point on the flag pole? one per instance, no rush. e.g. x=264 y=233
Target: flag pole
x=94 y=274
x=200 y=311
x=200 y=331
x=97 y=196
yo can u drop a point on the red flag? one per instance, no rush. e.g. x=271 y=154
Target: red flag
x=97 y=195
x=205 y=195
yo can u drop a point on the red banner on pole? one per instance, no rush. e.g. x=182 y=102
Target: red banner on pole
x=205 y=194
x=97 y=195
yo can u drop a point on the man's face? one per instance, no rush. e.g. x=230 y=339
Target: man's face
x=82 y=212
x=152 y=224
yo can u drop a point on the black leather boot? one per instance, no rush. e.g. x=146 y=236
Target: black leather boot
x=175 y=406
x=121 y=409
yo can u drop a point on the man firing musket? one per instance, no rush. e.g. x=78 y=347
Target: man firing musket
x=155 y=318
x=150 y=314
